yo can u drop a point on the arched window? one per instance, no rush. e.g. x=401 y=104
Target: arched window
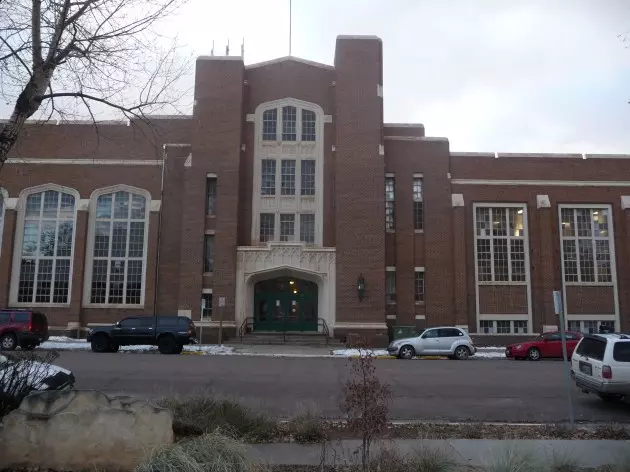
x=47 y=247
x=119 y=223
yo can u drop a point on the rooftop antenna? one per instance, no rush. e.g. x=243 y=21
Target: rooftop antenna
x=227 y=48
x=212 y=50
x=243 y=49
x=290 y=19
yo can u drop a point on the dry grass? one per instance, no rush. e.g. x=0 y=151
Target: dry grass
x=512 y=458
x=210 y=453
x=205 y=414
x=424 y=459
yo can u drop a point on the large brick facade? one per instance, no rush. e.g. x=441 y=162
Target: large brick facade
x=497 y=235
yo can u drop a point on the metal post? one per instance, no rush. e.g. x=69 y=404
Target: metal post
x=221 y=308
x=559 y=308
x=290 y=25
x=203 y=306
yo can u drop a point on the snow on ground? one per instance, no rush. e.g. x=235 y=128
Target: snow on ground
x=357 y=352
x=61 y=343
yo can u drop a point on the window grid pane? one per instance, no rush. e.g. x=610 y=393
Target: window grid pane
x=520 y=327
x=390 y=203
x=287 y=227
x=486 y=327
x=586 y=250
x=308 y=125
x=419 y=286
x=270 y=123
x=211 y=196
x=287 y=183
x=307 y=228
x=48 y=236
x=268 y=177
x=208 y=253
x=390 y=282
x=503 y=327
x=207 y=311
x=267 y=227
x=307 y=186
x=119 y=247
x=289 y=123
x=500 y=243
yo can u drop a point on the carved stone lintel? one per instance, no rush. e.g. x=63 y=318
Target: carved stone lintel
x=542 y=201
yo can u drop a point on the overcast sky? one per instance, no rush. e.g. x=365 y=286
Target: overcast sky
x=491 y=75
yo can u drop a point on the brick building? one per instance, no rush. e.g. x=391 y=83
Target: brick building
x=285 y=191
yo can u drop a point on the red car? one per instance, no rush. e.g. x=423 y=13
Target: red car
x=545 y=345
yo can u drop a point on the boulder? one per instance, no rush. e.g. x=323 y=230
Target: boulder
x=79 y=430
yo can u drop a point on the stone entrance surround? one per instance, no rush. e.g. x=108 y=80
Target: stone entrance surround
x=290 y=260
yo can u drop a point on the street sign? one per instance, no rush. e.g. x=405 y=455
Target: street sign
x=221 y=301
x=203 y=303
x=557 y=302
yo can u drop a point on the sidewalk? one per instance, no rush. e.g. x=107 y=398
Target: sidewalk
x=60 y=343
x=466 y=452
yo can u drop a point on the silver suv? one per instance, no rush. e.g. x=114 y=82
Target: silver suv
x=442 y=341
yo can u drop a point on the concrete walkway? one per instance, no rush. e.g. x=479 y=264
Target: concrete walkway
x=465 y=452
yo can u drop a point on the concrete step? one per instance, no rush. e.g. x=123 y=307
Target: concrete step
x=292 y=339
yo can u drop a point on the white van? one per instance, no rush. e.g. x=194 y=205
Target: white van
x=601 y=364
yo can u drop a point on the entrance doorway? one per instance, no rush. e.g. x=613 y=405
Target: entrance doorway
x=285 y=304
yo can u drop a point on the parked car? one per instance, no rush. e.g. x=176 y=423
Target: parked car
x=24 y=328
x=168 y=333
x=442 y=341
x=545 y=345
x=601 y=365
x=18 y=374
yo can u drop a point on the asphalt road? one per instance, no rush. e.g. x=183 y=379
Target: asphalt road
x=483 y=390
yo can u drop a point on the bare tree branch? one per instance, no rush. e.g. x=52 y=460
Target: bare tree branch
x=98 y=55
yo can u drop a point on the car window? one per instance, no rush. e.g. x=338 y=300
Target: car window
x=129 y=323
x=430 y=333
x=555 y=337
x=570 y=336
x=621 y=352
x=592 y=347
x=145 y=321
x=21 y=317
x=167 y=320
x=450 y=333
x=184 y=322
x=4 y=318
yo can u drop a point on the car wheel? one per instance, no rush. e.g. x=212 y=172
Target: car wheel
x=607 y=397
x=462 y=353
x=167 y=345
x=113 y=347
x=8 y=342
x=533 y=354
x=180 y=348
x=406 y=352
x=100 y=343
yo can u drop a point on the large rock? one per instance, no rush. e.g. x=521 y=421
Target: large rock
x=79 y=430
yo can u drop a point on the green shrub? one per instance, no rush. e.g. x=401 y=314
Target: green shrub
x=210 y=453
x=204 y=414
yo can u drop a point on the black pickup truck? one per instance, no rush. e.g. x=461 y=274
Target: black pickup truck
x=168 y=333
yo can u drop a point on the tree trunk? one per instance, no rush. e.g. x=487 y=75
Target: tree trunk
x=26 y=105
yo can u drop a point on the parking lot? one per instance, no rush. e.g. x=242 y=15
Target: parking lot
x=483 y=390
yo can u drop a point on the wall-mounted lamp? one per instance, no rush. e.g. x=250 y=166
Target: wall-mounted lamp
x=361 y=287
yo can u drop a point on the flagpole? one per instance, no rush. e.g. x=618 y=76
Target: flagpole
x=290 y=18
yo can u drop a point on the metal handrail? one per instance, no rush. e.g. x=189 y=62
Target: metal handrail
x=325 y=328
x=243 y=327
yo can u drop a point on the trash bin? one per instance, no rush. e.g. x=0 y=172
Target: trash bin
x=400 y=332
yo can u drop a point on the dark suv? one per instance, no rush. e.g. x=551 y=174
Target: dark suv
x=168 y=333
x=24 y=328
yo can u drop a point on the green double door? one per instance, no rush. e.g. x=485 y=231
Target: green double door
x=285 y=304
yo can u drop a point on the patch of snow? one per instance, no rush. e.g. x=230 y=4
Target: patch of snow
x=210 y=349
x=491 y=348
x=65 y=346
x=489 y=355
x=358 y=352
x=65 y=339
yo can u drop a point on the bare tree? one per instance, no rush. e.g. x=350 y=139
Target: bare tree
x=64 y=58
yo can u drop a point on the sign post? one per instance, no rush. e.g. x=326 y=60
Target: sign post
x=203 y=307
x=559 y=309
x=221 y=307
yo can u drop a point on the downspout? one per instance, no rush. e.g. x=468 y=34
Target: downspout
x=159 y=235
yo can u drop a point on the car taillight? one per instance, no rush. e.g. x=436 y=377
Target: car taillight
x=606 y=372
x=30 y=326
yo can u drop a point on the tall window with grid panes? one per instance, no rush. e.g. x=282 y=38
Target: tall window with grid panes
x=587 y=248
x=390 y=203
x=501 y=258
x=287 y=182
